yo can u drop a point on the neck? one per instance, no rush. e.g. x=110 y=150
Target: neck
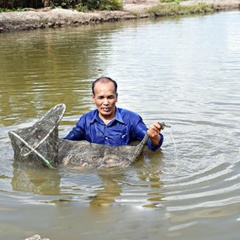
x=107 y=119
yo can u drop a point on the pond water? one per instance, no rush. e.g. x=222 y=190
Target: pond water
x=183 y=71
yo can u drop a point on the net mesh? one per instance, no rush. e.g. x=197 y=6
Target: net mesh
x=39 y=143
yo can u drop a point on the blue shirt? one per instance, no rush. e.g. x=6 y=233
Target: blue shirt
x=126 y=127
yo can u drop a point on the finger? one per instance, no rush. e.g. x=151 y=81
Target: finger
x=157 y=127
x=153 y=132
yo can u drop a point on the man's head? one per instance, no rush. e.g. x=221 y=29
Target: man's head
x=105 y=96
x=104 y=80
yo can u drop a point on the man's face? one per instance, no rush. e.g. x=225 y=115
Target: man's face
x=105 y=99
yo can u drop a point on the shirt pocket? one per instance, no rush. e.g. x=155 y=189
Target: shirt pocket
x=119 y=137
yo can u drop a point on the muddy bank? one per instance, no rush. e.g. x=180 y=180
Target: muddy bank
x=53 y=18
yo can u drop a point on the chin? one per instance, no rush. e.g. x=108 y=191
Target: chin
x=106 y=114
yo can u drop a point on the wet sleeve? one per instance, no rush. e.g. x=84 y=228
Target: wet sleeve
x=77 y=132
x=154 y=148
x=141 y=130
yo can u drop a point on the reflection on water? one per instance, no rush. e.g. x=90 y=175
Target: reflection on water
x=183 y=71
x=38 y=181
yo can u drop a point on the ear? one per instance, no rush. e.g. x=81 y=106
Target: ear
x=116 y=97
x=93 y=98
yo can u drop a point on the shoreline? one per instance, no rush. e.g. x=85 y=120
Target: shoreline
x=55 y=18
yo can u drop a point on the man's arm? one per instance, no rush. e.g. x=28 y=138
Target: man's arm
x=155 y=137
x=76 y=133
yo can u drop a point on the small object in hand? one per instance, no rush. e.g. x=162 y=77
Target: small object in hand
x=163 y=125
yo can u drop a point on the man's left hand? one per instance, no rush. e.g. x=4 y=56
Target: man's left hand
x=153 y=133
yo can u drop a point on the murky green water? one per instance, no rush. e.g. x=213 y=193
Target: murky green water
x=182 y=71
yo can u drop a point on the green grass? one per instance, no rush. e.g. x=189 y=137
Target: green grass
x=174 y=9
x=11 y=10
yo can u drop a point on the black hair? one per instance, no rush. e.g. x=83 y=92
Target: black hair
x=104 y=80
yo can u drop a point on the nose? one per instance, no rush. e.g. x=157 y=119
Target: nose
x=105 y=101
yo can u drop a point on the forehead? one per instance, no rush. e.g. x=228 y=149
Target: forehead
x=104 y=88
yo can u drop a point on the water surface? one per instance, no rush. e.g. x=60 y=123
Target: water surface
x=184 y=71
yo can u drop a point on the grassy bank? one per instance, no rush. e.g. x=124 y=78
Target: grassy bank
x=174 y=9
x=57 y=17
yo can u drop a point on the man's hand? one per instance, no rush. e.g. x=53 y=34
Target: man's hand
x=153 y=133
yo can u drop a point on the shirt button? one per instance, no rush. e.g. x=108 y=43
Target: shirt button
x=106 y=138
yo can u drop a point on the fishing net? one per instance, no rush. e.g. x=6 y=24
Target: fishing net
x=39 y=143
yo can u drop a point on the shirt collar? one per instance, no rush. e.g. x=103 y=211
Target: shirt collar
x=118 y=116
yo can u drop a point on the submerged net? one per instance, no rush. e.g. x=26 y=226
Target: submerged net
x=39 y=143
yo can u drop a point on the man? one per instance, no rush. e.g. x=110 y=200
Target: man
x=110 y=125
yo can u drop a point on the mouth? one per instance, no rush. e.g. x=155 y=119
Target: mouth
x=106 y=109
